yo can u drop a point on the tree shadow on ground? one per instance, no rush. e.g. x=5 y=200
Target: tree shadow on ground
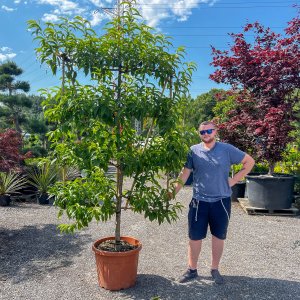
x=149 y=286
x=36 y=251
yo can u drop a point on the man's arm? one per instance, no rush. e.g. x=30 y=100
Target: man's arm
x=248 y=163
x=182 y=178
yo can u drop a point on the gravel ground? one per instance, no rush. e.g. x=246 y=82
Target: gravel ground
x=261 y=258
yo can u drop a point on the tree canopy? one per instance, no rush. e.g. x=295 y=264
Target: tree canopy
x=264 y=74
x=134 y=73
x=13 y=102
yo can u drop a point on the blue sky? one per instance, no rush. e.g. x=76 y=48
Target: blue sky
x=195 y=24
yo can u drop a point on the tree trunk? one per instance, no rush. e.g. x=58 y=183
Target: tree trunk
x=119 y=164
x=271 y=168
x=16 y=123
x=118 y=208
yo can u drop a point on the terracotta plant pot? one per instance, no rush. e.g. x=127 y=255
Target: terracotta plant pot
x=117 y=270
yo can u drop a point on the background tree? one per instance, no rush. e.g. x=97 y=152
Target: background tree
x=201 y=108
x=226 y=102
x=296 y=109
x=10 y=156
x=264 y=74
x=292 y=153
x=37 y=127
x=13 y=102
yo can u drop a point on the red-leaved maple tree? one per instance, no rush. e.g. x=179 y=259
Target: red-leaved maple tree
x=264 y=73
x=10 y=156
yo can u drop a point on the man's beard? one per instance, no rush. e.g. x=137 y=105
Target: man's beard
x=208 y=141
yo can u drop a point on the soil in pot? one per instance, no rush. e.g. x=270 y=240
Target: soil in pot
x=109 y=245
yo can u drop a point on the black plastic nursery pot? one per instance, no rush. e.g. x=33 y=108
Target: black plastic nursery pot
x=270 y=192
x=5 y=200
x=238 y=191
x=43 y=199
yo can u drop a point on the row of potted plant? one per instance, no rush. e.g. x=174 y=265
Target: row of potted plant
x=33 y=181
x=275 y=194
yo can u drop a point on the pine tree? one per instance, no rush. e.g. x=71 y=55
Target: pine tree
x=13 y=100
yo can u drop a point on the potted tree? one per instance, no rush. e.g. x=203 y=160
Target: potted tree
x=10 y=183
x=134 y=77
x=264 y=75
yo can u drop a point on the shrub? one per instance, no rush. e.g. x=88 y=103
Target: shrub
x=10 y=156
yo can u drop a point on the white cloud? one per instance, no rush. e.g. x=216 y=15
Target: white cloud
x=213 y=2
x=63 y=7
x=72 y=8
x=6 y=54
x=101 y=3
x=97 y=3
x=7 y=8
x=155 y=11
x=17 y=1
x=50 y=18
x=97 y=18
x=5 y=49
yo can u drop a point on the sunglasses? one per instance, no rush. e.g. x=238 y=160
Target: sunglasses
x=208 y=131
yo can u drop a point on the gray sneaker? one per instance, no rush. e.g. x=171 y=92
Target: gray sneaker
x=188 y=275
x=218 y=278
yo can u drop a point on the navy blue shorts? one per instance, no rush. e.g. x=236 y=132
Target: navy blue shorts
x=201 y=214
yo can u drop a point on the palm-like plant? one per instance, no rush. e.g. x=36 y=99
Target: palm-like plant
x=11 y=183
x=42 y=178
x=66 y=173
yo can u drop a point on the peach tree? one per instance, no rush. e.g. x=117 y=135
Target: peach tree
x=134 y=74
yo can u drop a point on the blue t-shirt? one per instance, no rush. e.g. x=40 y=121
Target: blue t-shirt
x=211 y=170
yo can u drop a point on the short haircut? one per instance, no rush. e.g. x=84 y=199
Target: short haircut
x=208 y=123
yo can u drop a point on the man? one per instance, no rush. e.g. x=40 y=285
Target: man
x=210 y=162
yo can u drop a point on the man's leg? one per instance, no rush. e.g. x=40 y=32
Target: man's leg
x=217 y=247
x=194 y=250
x=198 y=222
x=219 y=220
